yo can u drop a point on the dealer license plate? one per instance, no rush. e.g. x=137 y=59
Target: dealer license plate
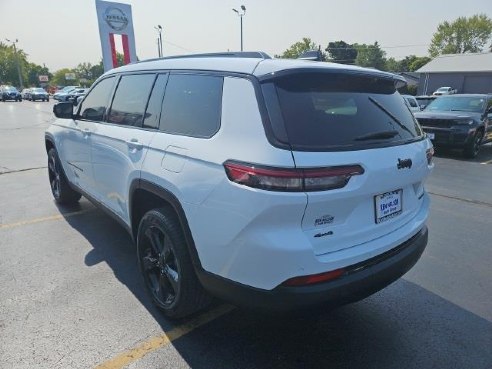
x=388 y=205
x=431 y=135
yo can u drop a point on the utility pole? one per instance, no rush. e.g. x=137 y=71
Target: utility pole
x=241 y=15
x=16 y=61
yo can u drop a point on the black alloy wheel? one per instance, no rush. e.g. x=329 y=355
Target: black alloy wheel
x=473 y=148
x=60 y=188
x=166 y=265
x=54 y=175
x=160 y=268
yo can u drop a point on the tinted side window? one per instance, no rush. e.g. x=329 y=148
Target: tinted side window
x=151 y=119
x=94 y=105
x=192 y=105
x=130 y=99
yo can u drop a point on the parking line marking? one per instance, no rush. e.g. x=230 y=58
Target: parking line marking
x=477 y=202
x=44 y=219
x=8 y=171
x=154 y=343
x=487 y=162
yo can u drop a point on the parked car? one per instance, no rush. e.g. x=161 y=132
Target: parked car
x=37 y=93
x=411 y=102
x=256 y=180
x=61 y=95
x=423 y=100
x=459 y=121
x=445 y=91
x=25 y=93
x=74 y=94
x=9 y=93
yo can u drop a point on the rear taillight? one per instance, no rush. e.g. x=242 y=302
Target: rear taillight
x=306 y=280
x=294 y=180
x=430 y=154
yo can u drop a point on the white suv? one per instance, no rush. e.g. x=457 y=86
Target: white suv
x=273 y=184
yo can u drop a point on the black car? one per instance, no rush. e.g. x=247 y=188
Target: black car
x=459 y=121
x=424 y=100
x=9 y=93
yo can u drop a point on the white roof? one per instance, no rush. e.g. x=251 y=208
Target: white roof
x=256 y=66
x=479 y=62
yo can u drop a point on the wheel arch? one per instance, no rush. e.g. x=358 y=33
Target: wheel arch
x=145 y=196
x=49 y=142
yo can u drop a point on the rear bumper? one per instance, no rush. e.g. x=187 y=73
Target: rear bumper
x=359 y=281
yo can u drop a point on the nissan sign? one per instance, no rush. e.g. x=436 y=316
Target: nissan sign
x=116 y=19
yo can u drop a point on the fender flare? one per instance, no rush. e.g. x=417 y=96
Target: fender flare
x=172 y=200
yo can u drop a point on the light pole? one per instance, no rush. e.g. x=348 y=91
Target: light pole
x=16 y=61
x=159 y=40
x=241 y=14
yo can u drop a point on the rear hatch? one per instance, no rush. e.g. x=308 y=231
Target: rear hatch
x=351 y=121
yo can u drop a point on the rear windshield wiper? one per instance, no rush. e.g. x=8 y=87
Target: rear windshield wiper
x=391 y=115
x=377 y=135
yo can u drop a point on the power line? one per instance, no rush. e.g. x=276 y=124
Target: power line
x=178 y=46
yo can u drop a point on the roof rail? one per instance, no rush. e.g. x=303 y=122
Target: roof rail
x=237 y=54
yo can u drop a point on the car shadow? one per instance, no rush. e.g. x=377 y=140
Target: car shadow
x=403 y=326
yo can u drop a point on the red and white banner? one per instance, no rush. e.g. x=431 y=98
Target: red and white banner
x=115 y=19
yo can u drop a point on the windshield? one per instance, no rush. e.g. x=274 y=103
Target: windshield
x=10 y=89
x=457 y=103
x=324 y=111
x=38 y=90
x=443 y=89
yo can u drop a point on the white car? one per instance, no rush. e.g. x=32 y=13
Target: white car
x=412 y=103
x=445 y=91
x=273 y=184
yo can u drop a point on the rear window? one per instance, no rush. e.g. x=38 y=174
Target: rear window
x=326 y=111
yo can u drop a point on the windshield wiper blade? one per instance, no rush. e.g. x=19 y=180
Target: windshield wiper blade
x=391 y=115
x=377 y=135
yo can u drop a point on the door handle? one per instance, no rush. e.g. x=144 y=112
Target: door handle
x=134 y=144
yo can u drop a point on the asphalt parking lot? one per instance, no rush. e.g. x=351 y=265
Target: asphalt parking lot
x=72 y=297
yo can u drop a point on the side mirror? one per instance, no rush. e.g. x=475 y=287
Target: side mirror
x=63 y=110
x=422 y=107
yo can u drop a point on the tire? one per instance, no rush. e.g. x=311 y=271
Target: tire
x=166 y=265
x=473 y=147
x=61 y=190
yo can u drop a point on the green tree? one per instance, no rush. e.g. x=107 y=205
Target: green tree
x=464 y=35
x=392 y=65
x=341 y=52
x=60 y=80
x=409 y=64
x=33 y=72
x=370 y=56
x=295 y=50
x=8 y=65
x=418 y=62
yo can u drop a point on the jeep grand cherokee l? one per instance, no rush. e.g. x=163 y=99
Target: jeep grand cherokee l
x=459 y=121
x=273 y=184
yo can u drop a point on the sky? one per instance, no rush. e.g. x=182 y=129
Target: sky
x=64 y=33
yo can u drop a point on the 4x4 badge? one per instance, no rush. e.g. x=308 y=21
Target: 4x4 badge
x=405 y=163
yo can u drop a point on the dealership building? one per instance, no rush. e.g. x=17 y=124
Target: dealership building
x=468 y=73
